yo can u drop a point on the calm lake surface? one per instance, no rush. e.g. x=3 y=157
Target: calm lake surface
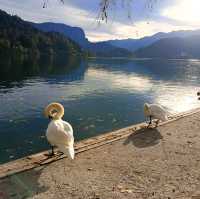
x=99 y=95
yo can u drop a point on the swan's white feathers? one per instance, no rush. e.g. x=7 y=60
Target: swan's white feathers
x=67 y=150
x=60 y=133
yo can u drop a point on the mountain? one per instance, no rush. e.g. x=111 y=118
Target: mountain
x=116 y=47
x=101 y=49
x=177 y=47
x=74 y=33
x=135 y=44
x=20 y=38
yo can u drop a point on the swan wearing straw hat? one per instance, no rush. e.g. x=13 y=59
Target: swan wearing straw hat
x=155 y=111
x=59 y=133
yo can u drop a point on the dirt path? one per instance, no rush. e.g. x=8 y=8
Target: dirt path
x=154 y=163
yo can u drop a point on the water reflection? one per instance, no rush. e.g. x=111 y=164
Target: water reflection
x=20 y=72
x=98 y=96
x=119 y=80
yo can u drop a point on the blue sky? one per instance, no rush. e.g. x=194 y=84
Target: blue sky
x=167 y=15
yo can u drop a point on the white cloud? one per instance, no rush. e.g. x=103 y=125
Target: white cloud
x=138 y=30
x=186 y=11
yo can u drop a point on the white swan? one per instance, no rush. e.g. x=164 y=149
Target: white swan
x=59 y=133
x=155 y=111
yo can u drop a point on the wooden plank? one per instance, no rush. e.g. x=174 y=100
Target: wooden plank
x=39 y=159
x=42 y=158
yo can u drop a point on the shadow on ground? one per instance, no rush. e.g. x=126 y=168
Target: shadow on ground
x=22 y=185
x=144 y=138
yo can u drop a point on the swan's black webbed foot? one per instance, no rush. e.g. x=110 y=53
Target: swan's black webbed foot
x=150 y=121
x=52 y=153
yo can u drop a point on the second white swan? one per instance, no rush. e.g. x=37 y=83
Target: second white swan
x=155 y=111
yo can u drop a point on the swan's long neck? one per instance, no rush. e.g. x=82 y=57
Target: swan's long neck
x=146 y=110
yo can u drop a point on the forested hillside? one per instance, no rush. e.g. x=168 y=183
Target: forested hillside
x=19 y=37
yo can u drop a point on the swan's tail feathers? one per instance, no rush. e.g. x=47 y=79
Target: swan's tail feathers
x=166 y=116
x=68 y=151
x=71 y=152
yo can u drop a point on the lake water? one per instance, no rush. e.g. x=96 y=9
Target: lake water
x=99 y=95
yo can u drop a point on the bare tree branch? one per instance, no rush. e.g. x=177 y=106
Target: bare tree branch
x=106 y=5
x=45 y=3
